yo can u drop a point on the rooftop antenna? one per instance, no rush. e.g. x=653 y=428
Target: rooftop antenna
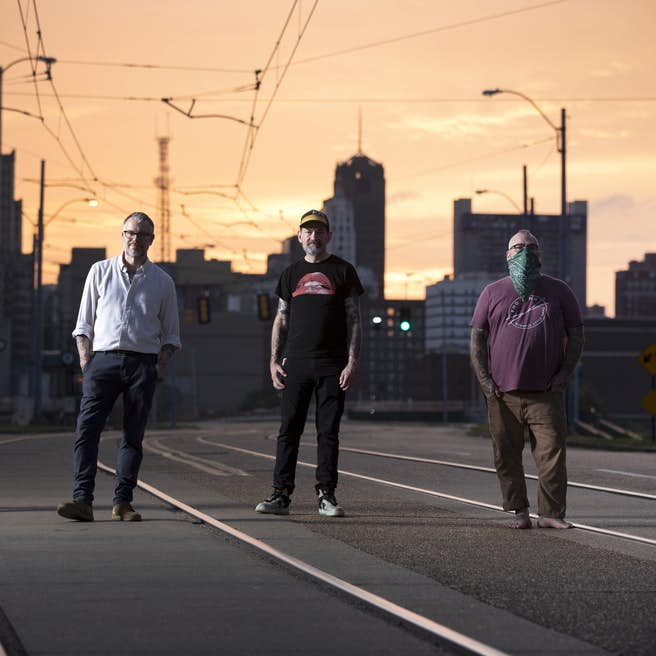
x=360 y=130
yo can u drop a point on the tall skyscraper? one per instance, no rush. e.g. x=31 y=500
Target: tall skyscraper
x=362 y=181
x=10 y=209
x=16 y=281
x=339 y=209
x=480 y=242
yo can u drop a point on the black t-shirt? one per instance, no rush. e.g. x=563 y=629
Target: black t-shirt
x=317 y=319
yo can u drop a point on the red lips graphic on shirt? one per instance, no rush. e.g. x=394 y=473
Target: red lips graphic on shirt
x=313 y=283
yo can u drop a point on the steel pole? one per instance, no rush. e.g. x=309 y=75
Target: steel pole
x=564 y=272
x=38 y=309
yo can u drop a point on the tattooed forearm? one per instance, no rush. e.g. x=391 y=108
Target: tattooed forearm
x=279 y=331
x=353 y=324
x=83 y=346
x=478 y=353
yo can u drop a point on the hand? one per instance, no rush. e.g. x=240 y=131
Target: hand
x=278 y=374
x=348 y=375
x=84 y=362
x=162 y=369
x=559 y=382
x=490 y=389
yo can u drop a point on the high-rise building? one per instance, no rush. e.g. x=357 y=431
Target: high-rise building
x=339 y=209
x=362 y=181
x=635 y=289
x=16 y=280
x=449 y=308
x=480 y=242
x=10 y=208
x=392 y=339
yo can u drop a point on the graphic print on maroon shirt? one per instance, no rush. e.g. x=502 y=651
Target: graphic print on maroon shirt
x=527 y=314
x=313 y=283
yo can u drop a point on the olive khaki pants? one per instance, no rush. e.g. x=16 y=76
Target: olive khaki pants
x=544 y=415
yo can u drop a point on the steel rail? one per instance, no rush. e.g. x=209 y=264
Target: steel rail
x=434 y=493
x=444 y=633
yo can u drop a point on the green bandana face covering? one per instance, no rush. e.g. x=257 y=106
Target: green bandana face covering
x=524 y=270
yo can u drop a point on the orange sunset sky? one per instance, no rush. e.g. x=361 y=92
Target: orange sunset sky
x=416 y=68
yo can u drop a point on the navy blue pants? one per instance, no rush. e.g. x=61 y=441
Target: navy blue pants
x=109 y=374
x=307 y=378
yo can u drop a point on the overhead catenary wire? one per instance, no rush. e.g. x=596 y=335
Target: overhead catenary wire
x=434 y=30
x=33 y=61
x=58 y=99
x=334 y=100
x=252 y=134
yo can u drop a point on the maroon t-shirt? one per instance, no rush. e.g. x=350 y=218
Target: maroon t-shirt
x=526 y=337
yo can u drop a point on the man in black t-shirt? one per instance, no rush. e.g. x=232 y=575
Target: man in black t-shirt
x=315 y=346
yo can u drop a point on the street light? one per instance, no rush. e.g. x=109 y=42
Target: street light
x=48 y=61
x=91 y=202
x=38 y=298
x=561 y=145
x=500 y=193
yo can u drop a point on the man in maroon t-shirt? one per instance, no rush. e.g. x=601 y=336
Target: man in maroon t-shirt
x=526 y=338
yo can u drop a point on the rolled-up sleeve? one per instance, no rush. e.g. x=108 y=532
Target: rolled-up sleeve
x=169 y=319
x=86 y=316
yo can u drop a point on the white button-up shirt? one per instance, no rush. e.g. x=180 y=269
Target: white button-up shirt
x=115 y=313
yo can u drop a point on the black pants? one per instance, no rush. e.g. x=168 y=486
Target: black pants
x=108 y=375
x=305 y=378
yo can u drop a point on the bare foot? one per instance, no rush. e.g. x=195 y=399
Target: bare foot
x=553 y=522
x=522 y=519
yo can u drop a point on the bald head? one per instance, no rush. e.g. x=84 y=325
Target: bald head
x=520 y=240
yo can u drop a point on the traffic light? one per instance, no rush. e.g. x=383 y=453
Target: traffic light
x=204 y=312
x=405 y=319
x=263 y=307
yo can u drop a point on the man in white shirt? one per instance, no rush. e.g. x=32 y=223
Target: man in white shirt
x=127 y=330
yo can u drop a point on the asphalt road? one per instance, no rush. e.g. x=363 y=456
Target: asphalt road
x=171 y=585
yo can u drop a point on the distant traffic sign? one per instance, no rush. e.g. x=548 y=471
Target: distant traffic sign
x=648 y=359
x=649 y=402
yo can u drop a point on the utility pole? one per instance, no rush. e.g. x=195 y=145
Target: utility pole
x=564 y=273
x=163 y=184
x=38 y=300
x=525 y=190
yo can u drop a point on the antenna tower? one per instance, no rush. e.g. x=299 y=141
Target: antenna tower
x=359 y=130
x=163 y=206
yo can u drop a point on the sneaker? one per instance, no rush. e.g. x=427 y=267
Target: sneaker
x=80 y=512
x=276 y=504
x=328 y=505
x=124 y=512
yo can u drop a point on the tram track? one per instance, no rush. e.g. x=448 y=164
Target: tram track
x=463 y=643
x=464 y=500
x=217 y=452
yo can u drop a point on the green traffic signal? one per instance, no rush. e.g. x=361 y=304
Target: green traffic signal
x=404 y=326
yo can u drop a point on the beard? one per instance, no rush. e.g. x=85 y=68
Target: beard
x=314 y=249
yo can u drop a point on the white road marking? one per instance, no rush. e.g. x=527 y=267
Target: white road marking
x=439 y=630
x=625 y=473
x=203 y=464
x=460 y=465
x=434 y=493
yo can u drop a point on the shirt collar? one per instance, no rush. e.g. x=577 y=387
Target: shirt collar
x=142 y=269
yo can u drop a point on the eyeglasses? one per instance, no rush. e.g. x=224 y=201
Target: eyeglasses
x=520 y=247
x=131 y=234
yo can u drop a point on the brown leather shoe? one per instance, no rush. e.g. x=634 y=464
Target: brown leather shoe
x=124 y=512
x=80 y=512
